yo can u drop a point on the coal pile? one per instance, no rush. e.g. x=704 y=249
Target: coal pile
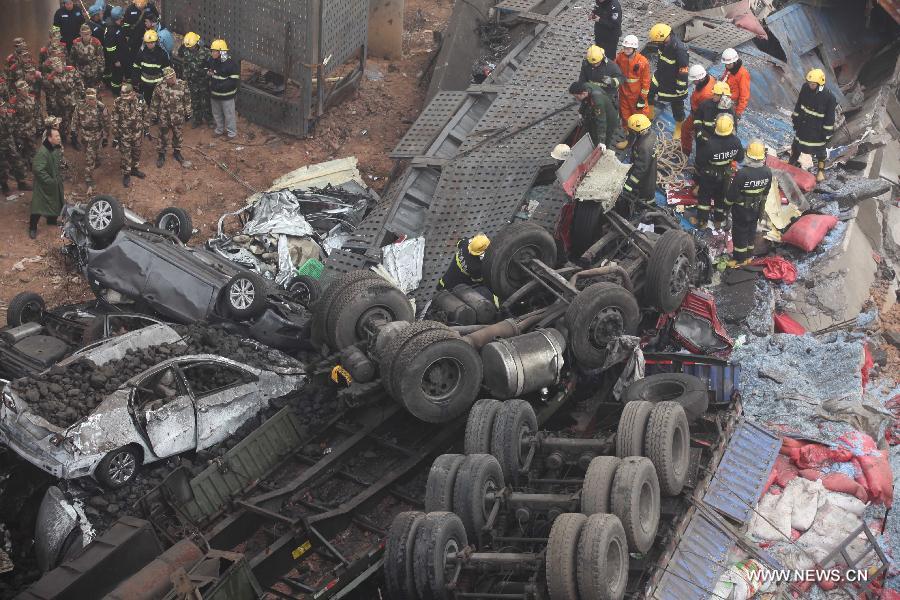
x=63 y=395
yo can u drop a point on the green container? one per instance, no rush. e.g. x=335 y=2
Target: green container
x=312 y=267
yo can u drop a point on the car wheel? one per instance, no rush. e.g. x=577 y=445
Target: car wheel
x=516 y=243
x=104 y=217
x=596 y=315
x=118 y=468
x=177 y=222
x=245 y=296
x=670 y=270
x=304 y=289
x=27 y=307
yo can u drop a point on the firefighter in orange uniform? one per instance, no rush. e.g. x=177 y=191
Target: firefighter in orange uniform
x=738 y=79
x=636 y=85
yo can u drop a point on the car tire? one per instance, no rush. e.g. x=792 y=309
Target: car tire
x=513 y=422
x=479 y=474
x=436 y=377
x=632 y=428
x=598 y=482
x=104 y=217
x=585 y=226
x=515 y=242
x=670 y=270
x=597 y=314
x=635 y=500
x=479 y=426
x=25 y=307
x=118 y=468
x=322 y=307
x=304 y=290
x=439 y=534
x=358 y=305
x=441 y=479
x=602 y=570
x=399 y=550
x=245 y=296
x=562 y=556
x=176 y=221
x=688 y=391
x=668 y=445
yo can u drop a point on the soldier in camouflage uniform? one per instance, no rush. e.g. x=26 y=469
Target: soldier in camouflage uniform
x=91 y=122
x=32 y=77
x=171 y=106
x=87 y=57
x=10 y=159
x=67 y=90
x=15 y=62
x=26 y=124
x=194 y=57
x=130 y=120
x=52 y=46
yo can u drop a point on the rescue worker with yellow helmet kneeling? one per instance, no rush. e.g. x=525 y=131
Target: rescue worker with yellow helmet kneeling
x=640 y=183
x=746 y=199
x=466 y=265
x=813 y=120
x=714 y=167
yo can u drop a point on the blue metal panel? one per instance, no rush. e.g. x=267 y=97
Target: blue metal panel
x=697 y=562
x=743 y=471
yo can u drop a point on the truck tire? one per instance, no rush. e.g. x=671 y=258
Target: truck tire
x=632 y=428
x=176 y=221
x=359 y=305
x=398 y=555
x=441 y=479
x=596 y=315
x=519 y=241
x=602 y=559
x=562 y=556
x=396 y=342
x=635 y=500
x=514 y=421
x=480 y=425
x=479 y=474
x=118 y=468
x=25 y=307
x=688 y=391
x=304 y=290
x=322 y=307
x=245 y=296
x=437 y=378
x=440 y=533
x=598 y=484
x=670 y=269
x=667 y=444
x=585 y=226
x=104 y=217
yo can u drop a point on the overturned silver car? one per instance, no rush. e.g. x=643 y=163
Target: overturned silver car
x=188 y=402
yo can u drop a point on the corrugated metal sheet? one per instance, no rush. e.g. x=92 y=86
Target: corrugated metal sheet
x=743 y=470
x=697 y=562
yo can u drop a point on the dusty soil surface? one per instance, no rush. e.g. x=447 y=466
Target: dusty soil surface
x=368 y=126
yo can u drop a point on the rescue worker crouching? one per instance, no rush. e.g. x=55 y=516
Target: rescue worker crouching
x=746 y=199
x=669 y=84
x=640 y=183
x=598 y=72
x=813 y=120
x=599 y=117
x=714 y=170
x=466 y=266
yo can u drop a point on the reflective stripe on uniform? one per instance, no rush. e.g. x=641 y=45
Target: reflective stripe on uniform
x=627 y=187
x=147 y=80
x=667 y=60
x=630 y=80
x=654 y=81
x=805 y=143
x=721 y=163
x=113 y=49
x=645 y=92
x=231 y=93
x=151 y=65
x=828 y=127
x=812 y=112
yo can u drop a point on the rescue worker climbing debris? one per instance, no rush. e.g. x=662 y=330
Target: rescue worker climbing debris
x=640 y=183
x=194 y=59
x=171 y=108
x=466 y=265
x=87 y=56
x=738 y=79
x=598 y=72
x=115 y=52
x=703 y=84
x=129 y=124
x=599 y=117
x=746 y=199
x=714 y=166
x=225 y=76
x=149 y=64
x=669 y=84
x=92 y=122
x=709 y=110
x=636 y=80
x=607 y=18
x=813 y=119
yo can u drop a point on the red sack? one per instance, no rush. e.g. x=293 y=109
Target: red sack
x=815 y=456
x=868 y=363
x=777 y=268
x=879 y=479
x=784 y=470
x=809 y=230
x=837 y=482
x=785 y=324
x=805 y=180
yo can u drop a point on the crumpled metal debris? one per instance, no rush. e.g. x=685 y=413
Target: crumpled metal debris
x=620 y=349
x=278 y=213
x=603 y=183
x=403 y=261
x=6 y=564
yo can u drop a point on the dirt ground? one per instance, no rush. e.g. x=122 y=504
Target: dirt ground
x=367 y=126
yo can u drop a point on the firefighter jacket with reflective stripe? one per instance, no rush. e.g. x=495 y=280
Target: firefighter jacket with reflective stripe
x=593 y=74
x=609 y=15
x=814 y=116
x=738 y=79
x=641 y=178
x=224 y=80
x=714 y=158
x=149 y=63
x=465 y=268
x=750 y=187
x=706 y=114
x=115 y=44
x=671 y=76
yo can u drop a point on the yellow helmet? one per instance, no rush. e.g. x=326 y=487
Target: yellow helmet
x=190 y=39
x=659 y=32
x=478 y=244
x=151 y=36
x=724 y=124
x=141 y=4
x=722 y=89
x=816 y=76
x=756 y=150
x=595 y=54
x=219 y=45
x=638 y=122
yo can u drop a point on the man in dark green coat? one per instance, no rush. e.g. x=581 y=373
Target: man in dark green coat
x=599 y=117
x=47 y=198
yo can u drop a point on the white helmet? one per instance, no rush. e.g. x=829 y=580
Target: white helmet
x=561 y=152
x=696 y=73
x=729 y=56
x=630 y=41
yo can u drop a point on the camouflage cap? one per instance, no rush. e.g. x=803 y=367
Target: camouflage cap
x=127 y=89
x=20 y=42
x=55 y=31
x=22 y=85
x=85 y=28
x=168 y=72
x=90 y=93
x=52 y=122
